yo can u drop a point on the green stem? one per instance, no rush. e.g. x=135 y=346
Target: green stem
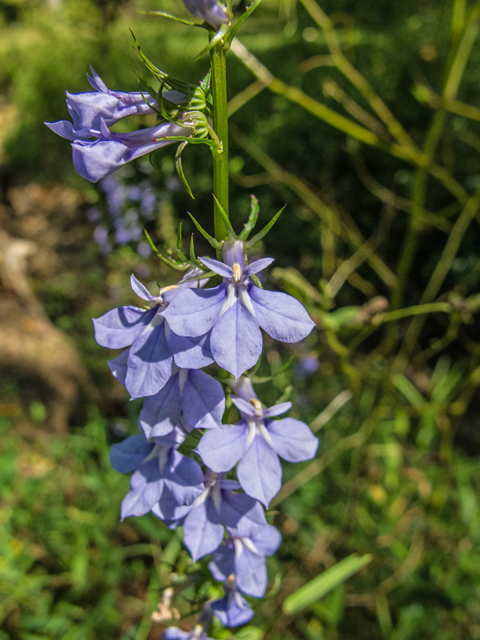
x=220 y=125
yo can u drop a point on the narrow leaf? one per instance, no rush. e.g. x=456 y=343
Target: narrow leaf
x=193 y=257
x=179 y=168
x=226 y=219
x=163 y=14
x=261 y=234
x=179 y=249
x=256 y=281
x=168 y=261
x=248 y=12
x=252 y=218
x=324 y=583
x=214 y=243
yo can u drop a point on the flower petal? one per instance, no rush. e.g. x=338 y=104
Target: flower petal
x=278 y=409
x=193 y=312
x=243 y=406
x=183 y=477
x=189 y=353
x=280 y=315
x=161 y=412
x=118 y=366
x=223 y=562
x=140 y=289
x=218 y=267
x=241 y=513
x=203 y=400
x=221 y=449
x=150 y=361
x=258 y=265
x=292 y=439
x=202 y=530
x=119 y=327
x=267 y=540
x=251 y=573
x=236 y=340
x=260 y=472
x=128 y=455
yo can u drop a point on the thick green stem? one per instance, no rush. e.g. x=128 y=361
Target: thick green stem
x=220 y=125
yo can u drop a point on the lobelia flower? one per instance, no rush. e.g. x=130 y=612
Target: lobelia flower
x=190 y=395
x=89 y=108
x=232 y=610
x=205 y=518
x=212 y=12
x=162 y=475
x=244 y=557
x=257 y=441
x=235 y=310
x=146 y=367
x=96 y=159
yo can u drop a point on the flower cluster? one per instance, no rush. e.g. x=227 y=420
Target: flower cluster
x=214 y=315
x=185 y=328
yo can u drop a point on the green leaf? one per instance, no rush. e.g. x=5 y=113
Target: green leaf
x=324 y=583
x=218 y=37
x=261 y=234
x=179 y=249
x=226 y=220
x=249 y=633
x=214 y=243
x=193 y=257
x=178 y=266
x=169 y=16
x=252 y=219
x=179 y=168
x=248 y=12
x=410 y=392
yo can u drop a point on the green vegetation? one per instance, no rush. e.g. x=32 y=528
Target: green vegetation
x=364 y=119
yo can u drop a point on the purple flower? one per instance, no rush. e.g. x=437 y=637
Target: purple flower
x=96 y=159
x=174 y=633
x=235 y=310
x=232 y=610
x=245 y=558
x=159 y=469
x=256 y=441
x=147 y=366
x=212 y=12
x=204 y=519
x=90 y=108
x=190 y=394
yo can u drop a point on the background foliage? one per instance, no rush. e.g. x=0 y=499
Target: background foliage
x=379 y=241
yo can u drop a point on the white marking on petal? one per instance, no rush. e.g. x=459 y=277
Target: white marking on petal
x=232 y=297
x=248 y=544
x=262 y=429
x=245 y=299
x=237 y=543
x=251 y=432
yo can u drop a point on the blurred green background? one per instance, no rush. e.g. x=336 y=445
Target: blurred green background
x=370 y=132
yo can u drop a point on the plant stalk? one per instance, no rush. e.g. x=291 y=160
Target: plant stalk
x=220 y=125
